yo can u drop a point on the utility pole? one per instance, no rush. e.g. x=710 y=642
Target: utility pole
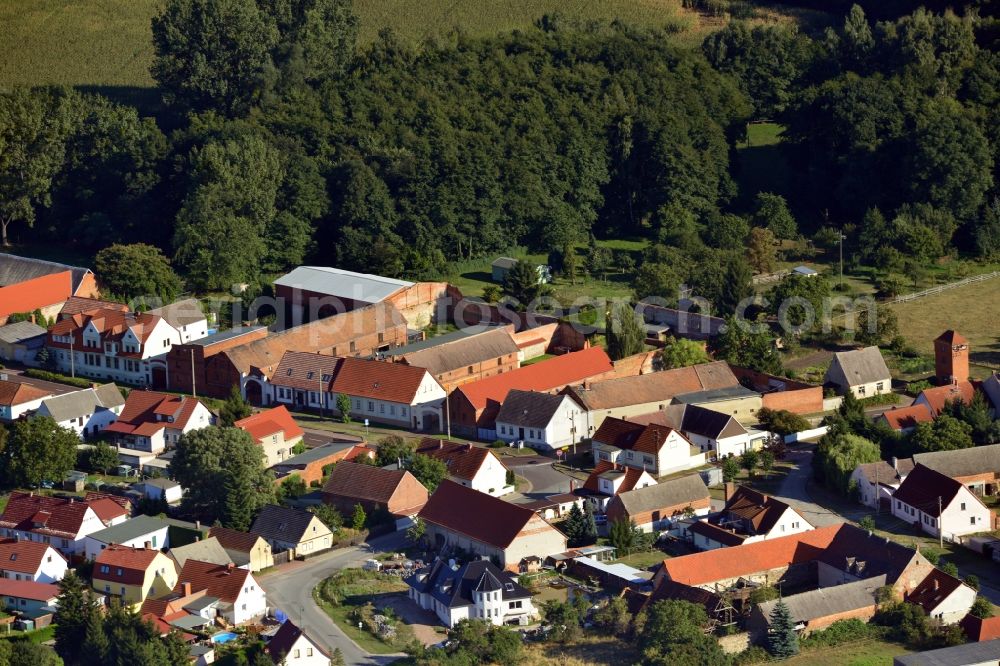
x=320 y=394
x=447 y=415
x=194 y=389
x=940 y=526
x=842 y=237
x=72 y=358
x=878 y=500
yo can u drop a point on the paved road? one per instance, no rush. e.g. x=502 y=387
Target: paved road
x=58 y=389
x=540 y=474
x=793 y=491
x=289 y=588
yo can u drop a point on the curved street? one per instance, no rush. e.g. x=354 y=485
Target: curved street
x=289 y=589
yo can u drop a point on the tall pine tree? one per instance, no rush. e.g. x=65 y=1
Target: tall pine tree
x=625 y=332
x=782 y=641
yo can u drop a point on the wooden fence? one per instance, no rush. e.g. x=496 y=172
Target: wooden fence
x=944 y=287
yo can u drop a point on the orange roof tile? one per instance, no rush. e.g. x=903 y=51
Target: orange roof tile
x=36 y=293
x=139 y=415
x=26 y=589
x=553 y=373
x=907 y=417
x=22 y=556
x=938 y=396
x=223 y=581
x=133 y=563
x=18 y=393
x=61 y=517
x=978 y=629
x=270 y=422
x=632 y=476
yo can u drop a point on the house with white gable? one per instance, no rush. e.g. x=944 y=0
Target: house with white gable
x=85 y=412
x=472 y=466
x=63 y=523
x=943 y=597
x=608 y=480
x=478 y=590
x=18 y=399
x=658 y=449
x=239 y=597
x=540 y=420
x=186 y=317
x=939 y=504
x=152 y=422
x=748 y=516
x=127 y=347
x=31 y=560
x=862 y=372
x=390 y=393
x=291 y=646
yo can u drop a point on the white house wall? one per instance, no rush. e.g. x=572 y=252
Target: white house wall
x=955 y=606
x=491 y=478
x=250 y=604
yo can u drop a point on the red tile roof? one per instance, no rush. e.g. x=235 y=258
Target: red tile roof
x=39 y=292
x=762 y=511
x=53 y=516
x=270 y=422
x=548 y=375
x=132 y=562
x=953 y=337
x=632 y=476
x=18 y=393
x=723 y=563
x=393 y=382
x=939 y=395
x=23 y=556
x=27 y=589
x=80 y=305
x=365 y=482
x=463 y=460
x=223 y=581
x=476 y=515
x=907 y=417
x=111 y=323
x=644 y=438
x=933 y=590
x=142 y=408
x=978 y=629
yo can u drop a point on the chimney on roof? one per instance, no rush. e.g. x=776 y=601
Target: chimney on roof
x=230 y=566
x=729 y=490
x=197 y=524
x=186 y=587
x=895 y=464
x=572 y=485
x=148 y=545
x=937 y=584
x=586 y=384
x=468 y=446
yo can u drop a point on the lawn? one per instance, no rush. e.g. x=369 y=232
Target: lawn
x=642 y=560
x=590 y=649
x=923 y=319
x=351 y=589
x=869 y=652
x=760 y=165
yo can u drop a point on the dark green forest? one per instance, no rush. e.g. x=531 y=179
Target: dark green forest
x=284 y=142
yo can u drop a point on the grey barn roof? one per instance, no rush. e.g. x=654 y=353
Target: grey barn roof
x=962 y=462
x=668 y=493
x=459 y=350
x=130 y=529
x=83 y=403
x=181 y=313
x=984 y=652
x=208 y=550
x=15 y=269
x=828 y=600
x=858 y=366
x=20 y=331
x=342 y=284
x=529 y=409
x=281 y=523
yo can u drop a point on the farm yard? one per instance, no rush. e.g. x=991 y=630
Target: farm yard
x=106 y=43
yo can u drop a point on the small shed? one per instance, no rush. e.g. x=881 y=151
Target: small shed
x=804 y=271
x=501 y=266
x=159 y=488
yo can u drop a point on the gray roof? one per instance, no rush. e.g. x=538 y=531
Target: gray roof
x=454 y=587
x=716 y=395
x=504 y=262
x=130 y=529
x=529 y=409
x=705 y=422
x=14 y=269
x=682 y=323
x=828 y=601
x=984 y=652
x=884 y=471
x=858 y=366
x=161 y=483
x=207 y=550
x=181 y=313
x=962 y=462
x=222 y=336
x=20 y=331
x=667 y=493
x=312 y=455
x=82 y=403
x=280 y=523
x=460 y=349
x=342 y=284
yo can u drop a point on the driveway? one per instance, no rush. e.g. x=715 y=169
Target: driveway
x=289 y=588
x=540 y=474
x=793 y=492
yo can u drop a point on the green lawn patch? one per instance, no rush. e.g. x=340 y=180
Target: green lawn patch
x=761 y=166
x=642 y=560
x=352 y=596
x=868 y=652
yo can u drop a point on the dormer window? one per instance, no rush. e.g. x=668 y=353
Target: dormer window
x=288 y=373
x=310 y=374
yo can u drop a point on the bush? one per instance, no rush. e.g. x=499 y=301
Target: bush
x=781 y=421
x=498 y=444
x=78 y=382
x=754 y=654
x=840 y=632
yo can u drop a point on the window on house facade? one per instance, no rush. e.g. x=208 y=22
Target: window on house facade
x=972 y=520
x=354 y=346
x=470 y=369
x=880 y=386
x=381 y=408
x=371 y=406
x=962 y=506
